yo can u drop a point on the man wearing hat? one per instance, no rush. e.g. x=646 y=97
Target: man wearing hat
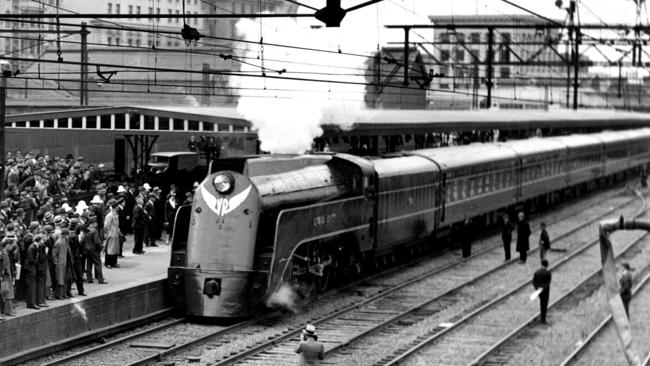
x=625 y=284
x=542 y=280
x=77 y=254
x=112 y=235
x=138 y=225
x=60 y=254
x=93 y=247
x=311 y=351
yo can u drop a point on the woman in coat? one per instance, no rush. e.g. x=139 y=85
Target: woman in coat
x=60 y=254
x=170 y=214
x=112 y=235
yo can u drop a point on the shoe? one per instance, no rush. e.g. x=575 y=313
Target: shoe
x=81 y=294
x=154 y=245
x=70 y=296
x=116 y=266
x=28 y=307
x=43 y=305
x=107 y=266
x=90 y=281
x=49 y=298
x=58 y=298
x=120 y=256
x=102 y=282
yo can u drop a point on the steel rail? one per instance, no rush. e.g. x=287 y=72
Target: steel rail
x=449 y=292
x=262 y=347
x=101 y=347
x=413 y=350
x=380 y=274
x=570 y=359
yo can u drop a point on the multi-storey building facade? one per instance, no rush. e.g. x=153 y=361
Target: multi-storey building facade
x=519 y=53
x=28 y=37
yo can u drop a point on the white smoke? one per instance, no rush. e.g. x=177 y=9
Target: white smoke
x=287 y=113
x=285 y=297
x=80 y=309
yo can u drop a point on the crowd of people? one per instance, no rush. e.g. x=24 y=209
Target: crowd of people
x=52 y=240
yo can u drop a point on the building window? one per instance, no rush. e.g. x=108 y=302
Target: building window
x=117 y=41
x=505 y=72
x=150 y=10
x=196 y=20
x=460 y=55
x=110 y=8
x=169 y=43
x=109 y=40
x=475 y=37
x=169 y=11
x=117 y=8
x=444 y=56
x=137 y=42
x=137 y=9
x=129 y=42
x=178 y=13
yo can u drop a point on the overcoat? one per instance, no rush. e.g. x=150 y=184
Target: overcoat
x=112 y=233
x=523 y=232
x=60 y=254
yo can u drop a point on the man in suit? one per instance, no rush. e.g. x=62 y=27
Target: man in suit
x=311 y=351
x=29 y=272
x=138 y=225
x=41 y=271
x=544 y=241
x=542 y=280
x=93 y=247
x=523 y=232
x=150 y=220
x=76 y=248
x=506 y=235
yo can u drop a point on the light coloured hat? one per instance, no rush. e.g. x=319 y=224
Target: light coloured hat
x=96 y=199
x=309 y=330
x=120 y=189
x=146 y=186
x=66 y=207
x=81 y=206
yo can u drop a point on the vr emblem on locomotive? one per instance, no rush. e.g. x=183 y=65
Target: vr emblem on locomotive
x=222 y=205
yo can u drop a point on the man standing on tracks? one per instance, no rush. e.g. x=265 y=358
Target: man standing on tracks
x=625 y=283
x=542 y=280
x=544 y=241
x=523 y=232
x=506 y=235
x=311 y=351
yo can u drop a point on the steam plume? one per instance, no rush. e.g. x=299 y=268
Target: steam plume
x=284 y=298
x=287 y=113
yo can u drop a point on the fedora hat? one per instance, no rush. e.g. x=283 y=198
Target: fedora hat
x=96 y=199
x=310 y=330
x=120 y=189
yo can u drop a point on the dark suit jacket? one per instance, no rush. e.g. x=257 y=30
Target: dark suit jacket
x=542 y=278
x=31 y=259
x=137 y=222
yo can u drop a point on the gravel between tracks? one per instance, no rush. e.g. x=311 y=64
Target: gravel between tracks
x=606 y=349
x=326 y=305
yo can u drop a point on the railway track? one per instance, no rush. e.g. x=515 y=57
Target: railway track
x=157 y=344
x=599 y=330
x=481 y=331
x=404 y=302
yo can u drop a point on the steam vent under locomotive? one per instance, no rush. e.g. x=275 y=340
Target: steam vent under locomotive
x=260 y=222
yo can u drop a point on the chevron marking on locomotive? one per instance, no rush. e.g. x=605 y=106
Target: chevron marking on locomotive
x=223 y=206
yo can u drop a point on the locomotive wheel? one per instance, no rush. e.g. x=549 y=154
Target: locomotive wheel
x=323 y=282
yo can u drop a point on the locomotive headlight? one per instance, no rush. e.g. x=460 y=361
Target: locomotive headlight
x=223 y=183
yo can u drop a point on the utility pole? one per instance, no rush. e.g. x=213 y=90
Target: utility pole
x=576 y=68
x=406 y=56
x=5 y=72
x=84 y=65
x=490 y=71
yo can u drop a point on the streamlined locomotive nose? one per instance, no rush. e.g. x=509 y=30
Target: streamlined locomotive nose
x=214 y=277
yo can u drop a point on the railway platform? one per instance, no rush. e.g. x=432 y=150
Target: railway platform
x=136 y=290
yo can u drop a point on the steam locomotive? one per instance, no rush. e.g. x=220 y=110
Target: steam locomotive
x=259 y=222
